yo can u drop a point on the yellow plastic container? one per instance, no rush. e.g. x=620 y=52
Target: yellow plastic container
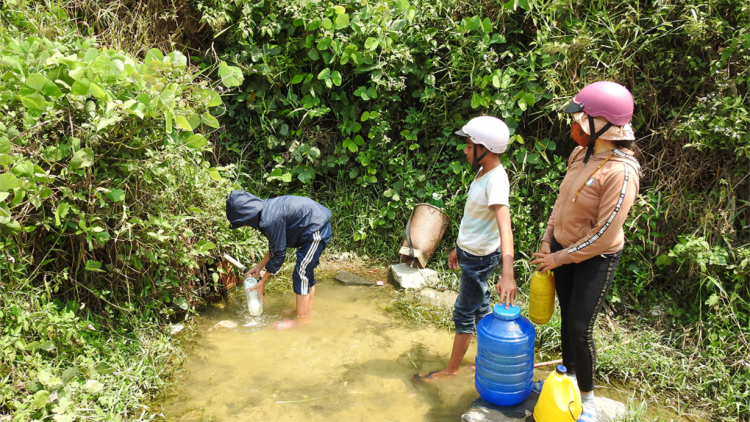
x=542 y=297
x=560 y=399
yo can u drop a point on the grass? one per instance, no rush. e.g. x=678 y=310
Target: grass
x=62 y=364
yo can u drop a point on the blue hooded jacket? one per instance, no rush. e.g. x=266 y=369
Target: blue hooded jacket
x=286 y=221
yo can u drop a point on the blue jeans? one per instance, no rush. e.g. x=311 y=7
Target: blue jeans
x=473 y=301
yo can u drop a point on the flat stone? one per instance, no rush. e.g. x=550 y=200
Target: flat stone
x=223 y=324
x=349 y=279
x=483 y=411
x=412 y=277
x=445 y=299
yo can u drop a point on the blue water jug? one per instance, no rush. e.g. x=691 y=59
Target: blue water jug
x=505 y=356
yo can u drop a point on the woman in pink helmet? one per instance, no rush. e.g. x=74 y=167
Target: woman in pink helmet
x=584 y=238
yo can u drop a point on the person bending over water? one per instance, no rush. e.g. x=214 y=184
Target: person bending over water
x=287 y=222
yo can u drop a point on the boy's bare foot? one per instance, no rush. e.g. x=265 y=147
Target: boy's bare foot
x=433 y=376
x=284 y=325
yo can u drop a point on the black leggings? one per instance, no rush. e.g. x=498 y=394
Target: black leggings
x=581 y=290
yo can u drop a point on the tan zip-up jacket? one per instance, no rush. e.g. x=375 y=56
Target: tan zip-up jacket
x=589 y=222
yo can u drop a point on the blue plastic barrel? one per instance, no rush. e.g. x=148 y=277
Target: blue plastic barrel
x=505 y=356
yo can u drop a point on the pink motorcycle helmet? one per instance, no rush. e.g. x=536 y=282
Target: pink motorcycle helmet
x=608 y=100
x=605 y=99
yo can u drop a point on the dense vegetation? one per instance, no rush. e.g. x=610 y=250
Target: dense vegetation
x=111 y=190
x=110 y=209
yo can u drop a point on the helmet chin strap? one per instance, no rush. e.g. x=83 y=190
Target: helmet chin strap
x=475 y=164
x=593 y=138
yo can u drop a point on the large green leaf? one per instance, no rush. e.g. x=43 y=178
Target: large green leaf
x=104 y=368
x=34 y=102
x=213 y=172
x=82 y=158
x=36 y=81
x=182 y=123
x=4 y=145
x=51 y=89
x=306 y=174
x=213 y=97
x=92 y=386
x=9 y=226
x=182 y=303
x=209 y=120
x=8 y=181
x=80 y=87
x=40 y=399
x=178 y=58
x=231 y=76
x=196 y=141
x=204 y=246
x=116 y=195
x=24 y=169
x=94 y=266
x=69 y=374
x=336 y=78
x=91 y=55
x=153 y=54
x=371 y=43
x=324 y=74
x=97 y=92
x=77 y=74
x=342 y=21
x=194 y=120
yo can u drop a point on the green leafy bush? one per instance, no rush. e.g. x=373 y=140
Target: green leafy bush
x=111 y=213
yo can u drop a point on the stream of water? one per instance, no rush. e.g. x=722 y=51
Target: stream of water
x=352 y=361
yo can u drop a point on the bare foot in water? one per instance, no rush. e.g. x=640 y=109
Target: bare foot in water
x=284 y=325
x=434 y=376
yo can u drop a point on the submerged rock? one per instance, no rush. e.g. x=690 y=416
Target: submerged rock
x=223 y=324
x=481 y=410
x=349 y=279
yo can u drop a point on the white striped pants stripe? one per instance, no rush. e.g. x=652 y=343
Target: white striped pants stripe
x=305 y=287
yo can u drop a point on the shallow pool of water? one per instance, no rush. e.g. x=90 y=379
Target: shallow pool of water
x=352 y=361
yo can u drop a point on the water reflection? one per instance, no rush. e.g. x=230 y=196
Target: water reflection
x=352 y=361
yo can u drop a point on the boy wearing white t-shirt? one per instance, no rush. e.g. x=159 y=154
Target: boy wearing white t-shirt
x=484 y=239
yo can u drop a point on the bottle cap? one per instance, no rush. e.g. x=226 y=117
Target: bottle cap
x=511 y=313
x=561 y=369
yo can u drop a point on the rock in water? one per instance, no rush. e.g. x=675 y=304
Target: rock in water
x=349 y=279
x=223 y=324
x=607 y=410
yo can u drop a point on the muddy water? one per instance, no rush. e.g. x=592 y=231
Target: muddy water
x=353 y=361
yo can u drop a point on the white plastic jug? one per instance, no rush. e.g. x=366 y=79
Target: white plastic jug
x=254 y=305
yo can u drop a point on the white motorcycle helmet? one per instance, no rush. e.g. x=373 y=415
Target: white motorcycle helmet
x=488 y=131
